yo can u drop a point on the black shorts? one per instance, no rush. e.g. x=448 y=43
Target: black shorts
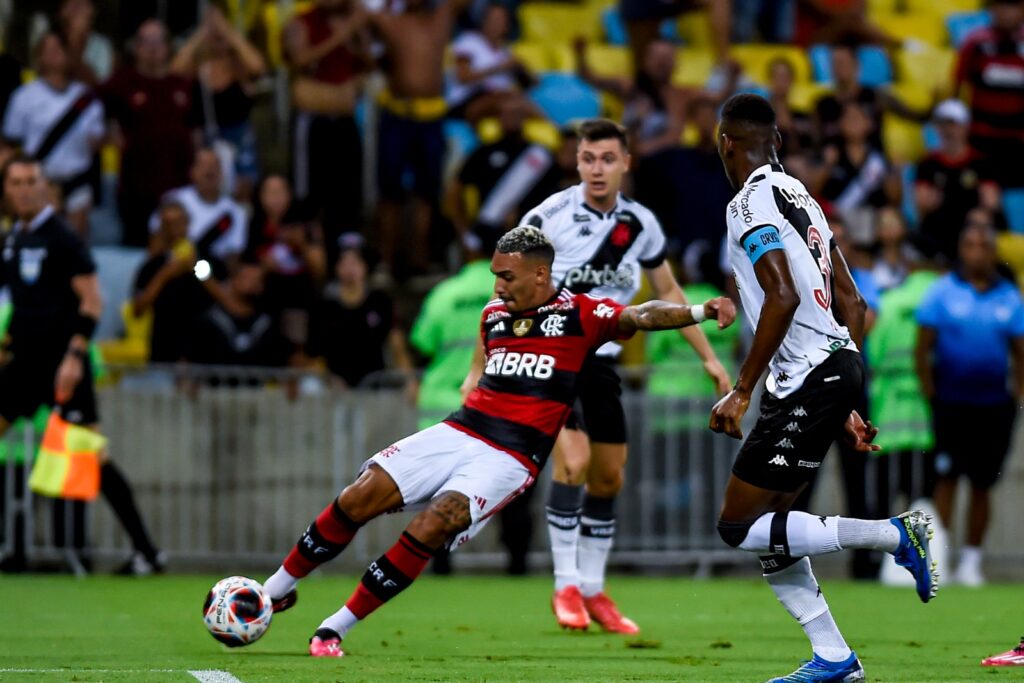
x=972 y=440
x=598 y=410
x=785 y=449
x=27 y=382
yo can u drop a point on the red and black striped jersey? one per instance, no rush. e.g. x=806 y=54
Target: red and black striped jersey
x=533 y=360
x=992 y=63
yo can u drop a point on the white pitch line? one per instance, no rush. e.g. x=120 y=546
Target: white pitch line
x=90 y=671
x=214 y=676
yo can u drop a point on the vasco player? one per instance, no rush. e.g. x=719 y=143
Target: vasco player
x=603 y=240
x=795 y=289
x=490 y=450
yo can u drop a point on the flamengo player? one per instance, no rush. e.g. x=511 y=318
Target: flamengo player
x=490 y=450
x=791 y=277
x=603 y=240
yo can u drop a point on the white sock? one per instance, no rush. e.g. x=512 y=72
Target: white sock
x=593 y=555
x=798 y=591
x=804 y=534
x=868 y=534
x=970 y=556
x=563 y=515
x=563 y=555
x=280 y=583
x=341 y=621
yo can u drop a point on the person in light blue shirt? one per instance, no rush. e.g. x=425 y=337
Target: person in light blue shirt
x=971 y=328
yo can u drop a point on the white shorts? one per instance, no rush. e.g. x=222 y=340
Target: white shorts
x=442 y=458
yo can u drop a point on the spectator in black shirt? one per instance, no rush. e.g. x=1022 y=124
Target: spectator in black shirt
x=354 y=325
x=479 y=197
x=951 y=181
x=45 y=361
x=238 y=330
x=167 y=284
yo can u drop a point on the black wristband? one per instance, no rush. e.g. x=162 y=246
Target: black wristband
x=79 y=354
x=85 y=325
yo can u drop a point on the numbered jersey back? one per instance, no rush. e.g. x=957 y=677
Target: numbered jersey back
x=774 y=211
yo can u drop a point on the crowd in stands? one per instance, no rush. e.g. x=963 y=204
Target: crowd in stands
x=291 y=169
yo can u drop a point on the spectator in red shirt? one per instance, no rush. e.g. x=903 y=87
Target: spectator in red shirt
x=951 y=181
x=151 y=107
x=991 y=62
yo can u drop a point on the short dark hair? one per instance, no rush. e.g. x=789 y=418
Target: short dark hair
x=22 y=159
x=528 y=241
x=593 y=130
x=750 y=109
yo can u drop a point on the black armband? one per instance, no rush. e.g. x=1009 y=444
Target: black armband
x=85 y=325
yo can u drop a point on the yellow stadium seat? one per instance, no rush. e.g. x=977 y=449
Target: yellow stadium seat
x=927 y=27
x=915 y=95
x=540 y=131
x=134 y=348
x=610 y=60
x=941 y=7
x=694 y=29
x=804 y=96
x=563 y=58
x=693 y=67
x=903 y=140
x=557 y=23
x=932 y=69
x=534 y=56
x=755 y=60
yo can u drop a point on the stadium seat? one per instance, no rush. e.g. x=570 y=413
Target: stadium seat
x=909 y=208
x=693 y=67
x=534 y=56
x=563 y=58
x=932 y=69
x=874 y=64
x=903 y=140
x=962 y=24
x=926 y=27
x=755 y=60
x=692 y=29
x=613 y=26
x=133 y=349
x=915 y=95
x=544 y=22
x=564 y=98
x=460 y=138
x=1013 y=206
x=609 y=60
x=804 y=96
x=534 y=130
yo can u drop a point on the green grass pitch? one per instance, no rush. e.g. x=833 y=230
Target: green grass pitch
x=466 y=628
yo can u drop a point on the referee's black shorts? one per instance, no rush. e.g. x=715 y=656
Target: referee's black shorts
x=27 y=381
x=598 y=410
x=792 y=436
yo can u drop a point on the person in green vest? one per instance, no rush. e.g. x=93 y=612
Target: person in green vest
x=446 y=332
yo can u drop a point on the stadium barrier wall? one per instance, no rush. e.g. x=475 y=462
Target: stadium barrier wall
x=229 y=465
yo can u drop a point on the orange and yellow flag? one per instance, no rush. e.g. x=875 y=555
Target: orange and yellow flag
x=68 y=463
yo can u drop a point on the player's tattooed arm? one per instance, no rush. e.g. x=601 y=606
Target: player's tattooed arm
x=662 y=315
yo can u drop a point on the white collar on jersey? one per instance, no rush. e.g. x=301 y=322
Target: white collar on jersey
x=581 y=199
x=764 y=170
x=40 y=218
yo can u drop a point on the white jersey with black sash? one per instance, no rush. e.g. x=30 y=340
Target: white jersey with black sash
x=216 y=228
x=774 y=211
x=58 y=127
x=599 y=253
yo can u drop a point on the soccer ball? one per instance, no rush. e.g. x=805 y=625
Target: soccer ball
x=237 y=611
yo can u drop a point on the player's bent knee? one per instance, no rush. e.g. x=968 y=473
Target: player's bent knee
x=448 y=515
x=733 y=533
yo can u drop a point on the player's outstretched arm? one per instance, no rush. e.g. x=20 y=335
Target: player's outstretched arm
x=849 y=302
x=781 y=300
x=662 y=315
x=475 y=370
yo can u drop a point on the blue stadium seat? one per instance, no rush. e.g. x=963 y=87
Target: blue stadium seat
x=614 y=28
x=961 y=24
x=1013 y=205
x=564 y=98
x=875 y=68
x=461 y=138
x=909 y=208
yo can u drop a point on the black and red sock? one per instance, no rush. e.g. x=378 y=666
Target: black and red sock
x=389 y=575
x=322 y=541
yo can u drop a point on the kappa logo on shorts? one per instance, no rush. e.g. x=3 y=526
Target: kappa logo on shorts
x=481 y=502
x=792 y=427
x=798 y=412
x=810 y=464
x=784 y=443
x=779 y=460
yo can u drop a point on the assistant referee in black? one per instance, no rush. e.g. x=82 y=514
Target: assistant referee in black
x=45 y=361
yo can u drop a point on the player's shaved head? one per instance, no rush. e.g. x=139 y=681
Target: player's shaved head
x=747 y=136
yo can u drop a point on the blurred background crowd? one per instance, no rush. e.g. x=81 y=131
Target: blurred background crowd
x=314 y=184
